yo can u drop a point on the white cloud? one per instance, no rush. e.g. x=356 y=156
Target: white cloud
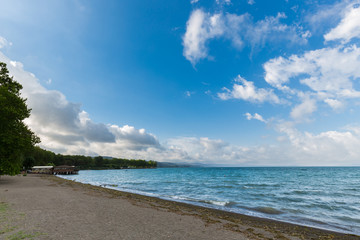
x=326 y=15
x=303 y=110
x=248 y=92
x=199 y=29
x=327 y=148
x=189 y=94
x=194 y=1
x=348 y=28
x=241 y=30
x=272 y=30
x=307 y=34
x=251 y=2
x=334 y=104
x=221 y=2
x=328 y=70
x=4 y=43
x=191 y=149
x=328 y=74
x=278 y=71
x=255 y=116
x=134 y=138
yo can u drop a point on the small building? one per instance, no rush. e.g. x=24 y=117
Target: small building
x=65 y=170
x=42 y=169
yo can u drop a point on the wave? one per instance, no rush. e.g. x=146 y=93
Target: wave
x=211 y=202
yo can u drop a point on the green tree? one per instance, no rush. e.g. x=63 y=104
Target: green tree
x=28 y=163
x=99 y=161
x=16 y=139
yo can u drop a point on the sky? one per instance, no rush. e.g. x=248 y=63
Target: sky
x=226 y=82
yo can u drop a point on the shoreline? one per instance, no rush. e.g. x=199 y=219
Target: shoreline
x=210 y=222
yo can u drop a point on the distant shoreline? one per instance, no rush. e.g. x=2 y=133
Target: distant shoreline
x=66 y=210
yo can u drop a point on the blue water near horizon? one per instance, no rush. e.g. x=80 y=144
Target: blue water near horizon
x=322 y=197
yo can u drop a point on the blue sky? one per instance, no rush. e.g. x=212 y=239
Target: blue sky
x=243 y=83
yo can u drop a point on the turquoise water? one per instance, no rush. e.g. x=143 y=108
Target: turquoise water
x=323 y=197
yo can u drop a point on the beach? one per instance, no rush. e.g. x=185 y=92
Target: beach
x=47 y=207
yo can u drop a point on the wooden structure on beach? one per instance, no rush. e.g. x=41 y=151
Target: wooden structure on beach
x=65 y=170
x=58 y=170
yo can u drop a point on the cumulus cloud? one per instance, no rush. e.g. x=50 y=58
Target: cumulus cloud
x=256 y=116
x=246 y=90
x=334 y=103
x=329 y=71
x=134 y=138
x=329 y=74
x=348 y=28
x=199 y=29
x=241 y=30
x=64 y=127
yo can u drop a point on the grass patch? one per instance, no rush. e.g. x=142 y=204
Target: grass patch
x=3 y=207
x=9 y=224
x=21 y=235
x=7 y=228
x=4 y=218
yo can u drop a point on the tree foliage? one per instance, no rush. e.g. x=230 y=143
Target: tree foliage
x=44 y=157
x=16 y=139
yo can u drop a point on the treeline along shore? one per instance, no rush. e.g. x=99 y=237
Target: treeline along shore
x=41 y=157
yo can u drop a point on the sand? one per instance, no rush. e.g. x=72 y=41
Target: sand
x=47 y=207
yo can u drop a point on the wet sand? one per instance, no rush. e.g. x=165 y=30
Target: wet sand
x=47 y=207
